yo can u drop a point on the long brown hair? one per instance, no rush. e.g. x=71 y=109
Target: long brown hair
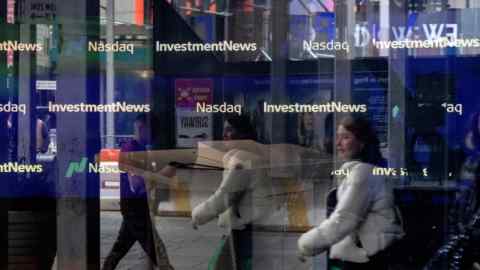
x=364 y=132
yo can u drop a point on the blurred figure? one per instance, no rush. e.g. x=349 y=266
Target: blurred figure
x=364 y=223
x=137 y=225
x=5 y=178
x=327 y=142
x=305 y=130
x=5 y=135
x=242 y=197
x=43 y=138
x=461 y=249
x=259 y=122
x=468 y=199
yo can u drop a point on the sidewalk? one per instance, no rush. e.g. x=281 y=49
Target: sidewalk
x=190 y=250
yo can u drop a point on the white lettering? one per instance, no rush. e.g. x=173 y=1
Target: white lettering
x=401 y=33
x=433 y=33
x=219 y=108
x=10 y=107
x=110 y=47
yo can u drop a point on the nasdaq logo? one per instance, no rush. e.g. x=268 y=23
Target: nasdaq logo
x=76 y=167
x=80 y=167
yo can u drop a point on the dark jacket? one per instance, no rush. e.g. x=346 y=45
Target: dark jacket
x=132 y=203
x=467 y=199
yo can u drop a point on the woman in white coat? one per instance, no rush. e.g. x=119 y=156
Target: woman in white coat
x=364 y=223
x=244 y=196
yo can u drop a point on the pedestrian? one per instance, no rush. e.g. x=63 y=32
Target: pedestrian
x=468 y=195
x=463 y=223
x=242 y=198
x=42 y=134
x=364 y=223
x=136 y=224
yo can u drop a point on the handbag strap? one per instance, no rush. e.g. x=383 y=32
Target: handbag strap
x=195 y=166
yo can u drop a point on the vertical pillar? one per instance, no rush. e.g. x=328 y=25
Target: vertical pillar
x=344 y=22
x=3 y=149
x=164 y=20
x=384 y=25
x=371 y=17
x=277 y=122
x=78 y=137
x=110 y=69
x=27 y=95
x=278 y=88
x=397 y=76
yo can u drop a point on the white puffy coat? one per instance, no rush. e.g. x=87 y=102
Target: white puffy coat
x=244 y=195
x=365 y=211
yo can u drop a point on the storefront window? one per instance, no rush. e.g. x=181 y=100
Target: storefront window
x=239 y=134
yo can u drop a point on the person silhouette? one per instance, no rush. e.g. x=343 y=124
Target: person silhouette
x=364 y=223
x=243 y=195
x=136 y=224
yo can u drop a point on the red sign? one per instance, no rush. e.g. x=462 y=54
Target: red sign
x=189 y=92
x=109 y=155
x=139 y=12
x=10 y=19
x=10 y=11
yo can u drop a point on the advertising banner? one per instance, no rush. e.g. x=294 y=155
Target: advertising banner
x=37 y=11
x=192 y=126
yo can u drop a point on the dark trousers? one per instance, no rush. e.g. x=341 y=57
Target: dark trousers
x=137 y=229
x=47 y=245
x=243 y=247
